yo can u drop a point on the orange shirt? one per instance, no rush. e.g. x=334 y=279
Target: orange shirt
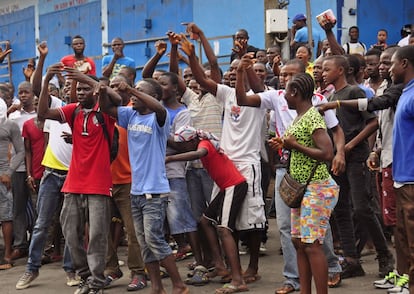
x=120 y=167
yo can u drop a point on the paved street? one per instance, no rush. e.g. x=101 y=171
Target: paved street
x=52 y=278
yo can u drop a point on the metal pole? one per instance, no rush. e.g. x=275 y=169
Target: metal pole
x=309 y=24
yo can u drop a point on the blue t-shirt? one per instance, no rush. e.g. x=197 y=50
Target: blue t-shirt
x=403 y=139
x=120 y=63
x=147 y=142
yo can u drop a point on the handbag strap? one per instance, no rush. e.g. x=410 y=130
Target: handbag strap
x=312 y=173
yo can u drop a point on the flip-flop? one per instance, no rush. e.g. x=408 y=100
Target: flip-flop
x=229 y=288
x=248 y=278
x=5 y=265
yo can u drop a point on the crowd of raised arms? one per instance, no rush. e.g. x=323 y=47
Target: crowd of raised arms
x=179 y=163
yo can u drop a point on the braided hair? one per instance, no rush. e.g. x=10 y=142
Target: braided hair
x=304 y=84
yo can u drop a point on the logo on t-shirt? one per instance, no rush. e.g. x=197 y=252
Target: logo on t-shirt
x=235 y=113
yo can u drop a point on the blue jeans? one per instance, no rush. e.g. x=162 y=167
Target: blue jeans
x=149 y=217
x=77 y=210
x=48 y=201
x=179 y=214
x=199 y=185
x=290 y=268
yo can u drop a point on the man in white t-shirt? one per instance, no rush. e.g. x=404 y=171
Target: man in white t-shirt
x=354 y=46
x=241 y=140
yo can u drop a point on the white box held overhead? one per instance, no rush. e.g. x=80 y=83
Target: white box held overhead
x=276 y=21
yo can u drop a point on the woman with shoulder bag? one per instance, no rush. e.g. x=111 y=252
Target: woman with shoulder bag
x=310 y=147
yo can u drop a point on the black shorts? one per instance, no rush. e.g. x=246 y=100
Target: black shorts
x=225 y=207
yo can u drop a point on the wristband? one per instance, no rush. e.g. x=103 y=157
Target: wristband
x=338 y=102
x=28 y=178
x=362 y=104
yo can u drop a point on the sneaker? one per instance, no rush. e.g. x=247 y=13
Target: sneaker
x=388 y=282
x=138 y=282
x=26 y=279
x=72 y=279
x=262 y=248
x=401 y=285
x=350 y=270
x=385 y=264
x=112 y=277
x=83 y=287
x=243 y=250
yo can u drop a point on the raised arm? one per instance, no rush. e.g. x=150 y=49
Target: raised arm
x=151 y=103
x=4 y=53
x=149 y=67
x=37 y=75
x=336 y=48
x=105 y=104
x=188 y=48
x=242 y=98
x=254 y=81
x=196 y=33
x=175 y=40
x=43 y=110
x=74 y=74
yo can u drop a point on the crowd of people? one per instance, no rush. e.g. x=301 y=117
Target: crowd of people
x=185 y=157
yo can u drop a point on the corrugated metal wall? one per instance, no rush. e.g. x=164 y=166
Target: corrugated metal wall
x=18 y=27
x=390 y=15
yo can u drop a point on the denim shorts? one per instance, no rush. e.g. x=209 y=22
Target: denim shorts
x=149 y=216
x=179 y=214
x=6 y=204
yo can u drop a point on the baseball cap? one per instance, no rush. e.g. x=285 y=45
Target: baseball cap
x=298 y=17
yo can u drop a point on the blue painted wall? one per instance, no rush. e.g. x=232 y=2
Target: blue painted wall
x=126 y=19
x=219 y=18
x=390 y=15
x=18 y=28
x=84 y=20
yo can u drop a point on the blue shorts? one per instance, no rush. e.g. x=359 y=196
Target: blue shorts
x=149 y=217
x=179 y=214
x=6 y=204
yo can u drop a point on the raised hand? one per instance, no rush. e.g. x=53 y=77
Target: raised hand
x=4 y=53
x=186 y=46
x=29 y=70
x=240 y=47
x=42 y=48
x=193 y=30
x=53 y=70
x=174 y=38
x=74 y=74
x=246 y=61
x=161 y=47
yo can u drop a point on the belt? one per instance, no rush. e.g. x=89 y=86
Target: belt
x=57 y=171
x=150 y=196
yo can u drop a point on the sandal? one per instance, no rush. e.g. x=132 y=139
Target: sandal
x=229 y=288
x=199 y=277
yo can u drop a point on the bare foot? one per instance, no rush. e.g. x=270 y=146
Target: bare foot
x=182 y=290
